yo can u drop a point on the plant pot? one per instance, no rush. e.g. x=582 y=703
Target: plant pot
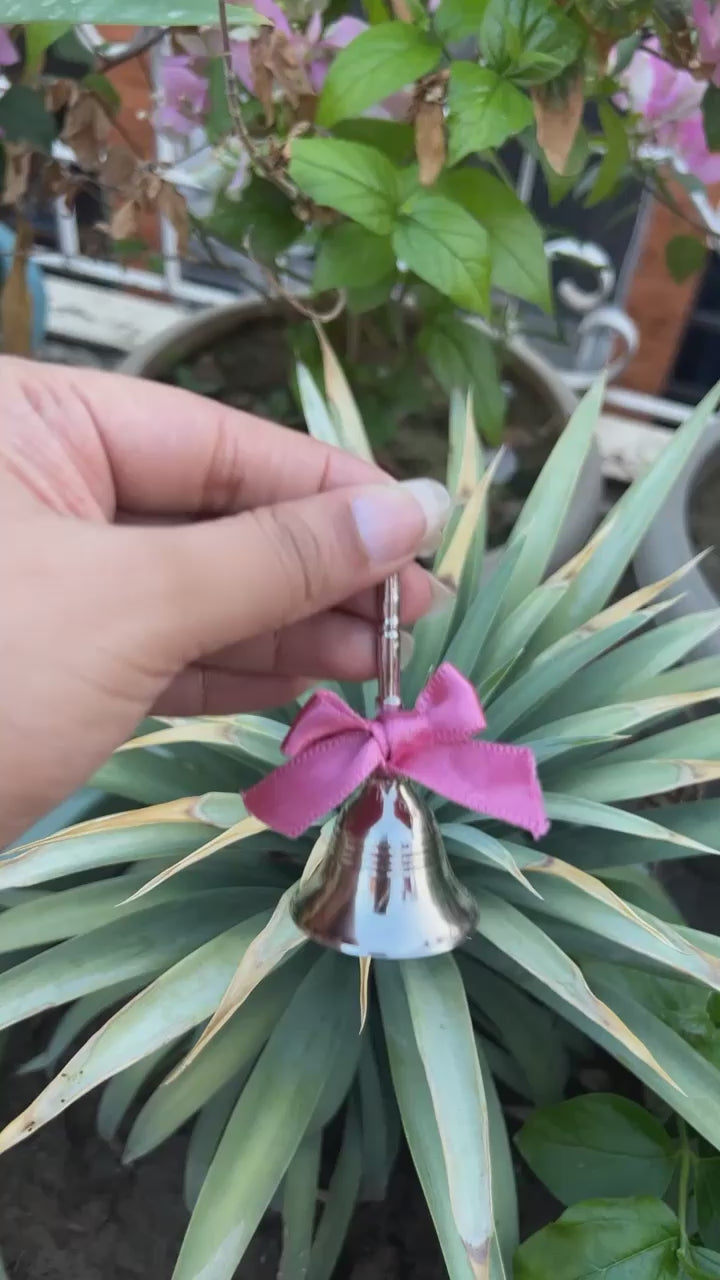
x=525 y=369
x=680 y=531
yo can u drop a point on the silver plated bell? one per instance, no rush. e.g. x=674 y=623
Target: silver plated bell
x=385 y=887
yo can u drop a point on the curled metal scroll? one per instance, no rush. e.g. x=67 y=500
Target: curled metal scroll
x=606 y=338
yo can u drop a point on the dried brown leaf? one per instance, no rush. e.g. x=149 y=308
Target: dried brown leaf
x=86 y=130
x=118 y=171
x=401 y=9
x=17 y=172
x=430 y=141
x=125 y=220
x=284 y=64
x=261 y=75
x=60 y=94
x=16 y=307
x=558 y=119
x=171 y=204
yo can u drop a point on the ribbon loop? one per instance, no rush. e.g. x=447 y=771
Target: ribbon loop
x=333 y=750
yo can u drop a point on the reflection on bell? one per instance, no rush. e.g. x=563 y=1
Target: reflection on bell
x=385 y=887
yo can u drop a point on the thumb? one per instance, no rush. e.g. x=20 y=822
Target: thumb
x=222 y=581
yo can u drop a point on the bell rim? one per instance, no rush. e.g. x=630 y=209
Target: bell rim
x=355 y=951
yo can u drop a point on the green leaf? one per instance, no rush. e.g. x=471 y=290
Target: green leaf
x=445 y=1041
x=38 y=38
x=554 y=974
x=357 y=180
x=577 y=808
x=80 y=1015
x=707 y=1195
x=149 y=939
x=126 y=12
x=466 y=646
x=700 y=1264
x=24 y=118
x=104 y=88
x=711 y=116
x=530 y=40
x=629 y=670
x=350 y=257
x=418 y=1116
x=685 y=255
x=631 y=1239
x=225 y=1056
x=484 y=110
x=298 y=1208
x=318 y=419
x=262 y=217
x=617 y=154
x=696 y=1093
x=521 y=1024
x=504 y=1193
x=458 y=19
x=76 y=911
x=462 y=357
x=217 y=121
x=395 y=139
x=476 y=845
x=205 y=1137
x=550 y=498
x=623 y=529
x=598 y=1145
x=517 y=250
x=341 y=1198
x=380 y=1119
x=375 y=64
x=119 y=1095
x=147 y=777
x=446 y=247
x=260 y=1140
x=182 y=997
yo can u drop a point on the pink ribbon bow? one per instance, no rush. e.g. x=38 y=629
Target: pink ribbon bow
x=333 y=750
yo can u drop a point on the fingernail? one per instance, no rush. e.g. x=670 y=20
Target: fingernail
x=442 y=597
x=407 y=648
x=398 y=520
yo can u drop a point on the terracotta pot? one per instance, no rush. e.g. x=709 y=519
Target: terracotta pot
x=155 y=359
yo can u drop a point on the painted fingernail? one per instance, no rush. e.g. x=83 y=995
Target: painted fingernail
x=398 y=520
x=407 y=648
x=443 y=597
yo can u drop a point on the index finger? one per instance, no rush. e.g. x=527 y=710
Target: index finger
x=170 y=451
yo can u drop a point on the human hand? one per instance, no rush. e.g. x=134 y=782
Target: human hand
x=256 y=580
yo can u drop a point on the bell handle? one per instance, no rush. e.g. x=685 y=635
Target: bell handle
x=389 y=643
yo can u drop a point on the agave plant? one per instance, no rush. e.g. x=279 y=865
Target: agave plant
x=177 y=917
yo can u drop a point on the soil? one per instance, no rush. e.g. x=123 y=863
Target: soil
x=403 y=407
x=69 y=1210
x=704 y=520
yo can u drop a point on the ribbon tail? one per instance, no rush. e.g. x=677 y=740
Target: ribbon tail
x=313 y=783
x=493 y=778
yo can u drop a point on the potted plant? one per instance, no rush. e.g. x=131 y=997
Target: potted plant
x=187 y=904
x=686 y=529
x=368 y=158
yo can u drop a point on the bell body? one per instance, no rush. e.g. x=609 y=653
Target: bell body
x=385 y=887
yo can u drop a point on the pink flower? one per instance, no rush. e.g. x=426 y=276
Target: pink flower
x=689 y=143
x=312 y=48
x=184 y=95
x=707 y=20
x=655 y=90
x=8 y=53
x=668 y=100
